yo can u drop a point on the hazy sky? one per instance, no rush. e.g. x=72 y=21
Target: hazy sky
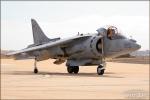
x=65 y=19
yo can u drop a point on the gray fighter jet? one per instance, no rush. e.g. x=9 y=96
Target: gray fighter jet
x=79 y=50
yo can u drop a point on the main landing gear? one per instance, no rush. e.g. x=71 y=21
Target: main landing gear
x=35 y=66
x=73 y=69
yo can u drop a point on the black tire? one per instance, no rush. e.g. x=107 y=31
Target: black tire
x=100 y=71
x=70 y=69
x=35 y=70
x=76 y=69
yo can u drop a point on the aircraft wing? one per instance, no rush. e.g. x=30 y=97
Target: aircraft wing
x=60 y=42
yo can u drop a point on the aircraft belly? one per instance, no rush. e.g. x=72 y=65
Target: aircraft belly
x=83 y=62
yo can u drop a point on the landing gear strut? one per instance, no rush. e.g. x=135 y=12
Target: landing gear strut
x=35 y=66
x=73 y=69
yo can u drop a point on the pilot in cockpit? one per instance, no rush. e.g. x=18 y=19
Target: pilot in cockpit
x=111 y=32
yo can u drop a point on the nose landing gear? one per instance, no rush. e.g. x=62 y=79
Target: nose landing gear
x=100 y=70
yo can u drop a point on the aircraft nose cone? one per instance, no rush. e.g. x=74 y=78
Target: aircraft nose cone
x=136 y=46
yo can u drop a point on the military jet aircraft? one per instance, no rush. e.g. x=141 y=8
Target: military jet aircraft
x=79 y=50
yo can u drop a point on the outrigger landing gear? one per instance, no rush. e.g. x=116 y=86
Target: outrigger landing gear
x=35 y=66
x=72 y=69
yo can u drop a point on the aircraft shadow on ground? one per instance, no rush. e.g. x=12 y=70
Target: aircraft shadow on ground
x=106 y=74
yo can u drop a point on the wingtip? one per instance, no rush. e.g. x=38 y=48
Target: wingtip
x=8 y=54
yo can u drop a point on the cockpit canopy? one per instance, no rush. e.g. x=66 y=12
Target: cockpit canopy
x=111 y=32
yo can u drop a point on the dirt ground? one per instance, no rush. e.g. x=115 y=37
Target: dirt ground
x=120 y=81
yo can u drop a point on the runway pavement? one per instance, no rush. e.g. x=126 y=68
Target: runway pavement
x=120 y=81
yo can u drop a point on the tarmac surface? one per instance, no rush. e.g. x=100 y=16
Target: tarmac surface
x=120 y=81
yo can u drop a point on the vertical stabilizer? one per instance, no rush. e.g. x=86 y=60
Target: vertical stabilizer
x=38 y=35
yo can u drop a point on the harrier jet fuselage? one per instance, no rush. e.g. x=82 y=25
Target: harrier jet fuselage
x=80 y=50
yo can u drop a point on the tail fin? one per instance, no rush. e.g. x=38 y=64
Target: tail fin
x=38 y=35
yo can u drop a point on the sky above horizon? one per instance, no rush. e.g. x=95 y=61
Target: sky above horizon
x=67 y=18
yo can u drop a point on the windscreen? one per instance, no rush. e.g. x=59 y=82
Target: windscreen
x=112 y=33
